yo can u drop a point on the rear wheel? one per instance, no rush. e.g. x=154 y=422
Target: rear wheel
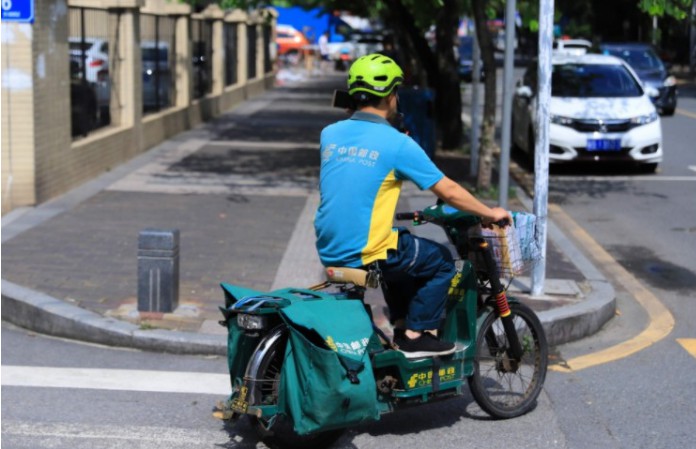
x=503 y=387
x=277 y=431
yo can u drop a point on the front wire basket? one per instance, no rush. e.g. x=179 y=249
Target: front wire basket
x=515 y=249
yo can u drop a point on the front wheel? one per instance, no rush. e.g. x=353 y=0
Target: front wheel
x=504 y=387
x=277 y=431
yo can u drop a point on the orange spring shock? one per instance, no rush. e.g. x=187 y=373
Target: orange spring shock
x=502 y=304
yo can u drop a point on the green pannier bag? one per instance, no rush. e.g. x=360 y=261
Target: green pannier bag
x=327 y=380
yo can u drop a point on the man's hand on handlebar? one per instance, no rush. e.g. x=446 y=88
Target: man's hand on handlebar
x=500 y=216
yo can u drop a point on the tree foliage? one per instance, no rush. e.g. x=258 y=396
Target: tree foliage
x=679 y=9
x=408 y=20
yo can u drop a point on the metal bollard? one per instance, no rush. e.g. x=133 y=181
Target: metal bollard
x=158 y=270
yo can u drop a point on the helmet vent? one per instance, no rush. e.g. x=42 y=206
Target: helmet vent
x=381 y=78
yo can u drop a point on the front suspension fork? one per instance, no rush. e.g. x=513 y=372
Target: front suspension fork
x=501 y=302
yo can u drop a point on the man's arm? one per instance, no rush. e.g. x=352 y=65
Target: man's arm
x=456 y=196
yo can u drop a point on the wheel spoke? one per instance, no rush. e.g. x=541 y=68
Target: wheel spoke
x=502 y=386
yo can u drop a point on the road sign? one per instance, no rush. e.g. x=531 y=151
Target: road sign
x=18 y=11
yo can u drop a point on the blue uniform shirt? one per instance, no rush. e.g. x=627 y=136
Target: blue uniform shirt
x=363 y=162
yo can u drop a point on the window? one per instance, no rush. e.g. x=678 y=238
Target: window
x=90 y=67
x=157 y=37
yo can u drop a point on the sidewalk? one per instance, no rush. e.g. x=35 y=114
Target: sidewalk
x=242 y=192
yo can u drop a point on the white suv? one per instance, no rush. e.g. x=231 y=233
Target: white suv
x=599 y=111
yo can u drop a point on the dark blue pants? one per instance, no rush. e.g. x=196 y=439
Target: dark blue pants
x=416 y=279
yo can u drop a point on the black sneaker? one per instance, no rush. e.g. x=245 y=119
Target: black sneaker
x=427 y=345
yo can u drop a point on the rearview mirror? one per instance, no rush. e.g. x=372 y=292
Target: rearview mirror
x=652 y=92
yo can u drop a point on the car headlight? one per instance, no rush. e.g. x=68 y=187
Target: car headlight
x=560 y=120
x=644 y=119
x=251 y=322
x=669 y=81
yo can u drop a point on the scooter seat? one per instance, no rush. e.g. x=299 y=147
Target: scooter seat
x=346 y=275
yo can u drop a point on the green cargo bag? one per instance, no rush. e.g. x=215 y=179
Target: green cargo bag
x=327 y=380
x=240 y=346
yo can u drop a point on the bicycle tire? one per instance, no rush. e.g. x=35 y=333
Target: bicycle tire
x=280 y=434
x=495 y=377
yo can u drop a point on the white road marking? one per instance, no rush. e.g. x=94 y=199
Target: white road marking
x=116 y=379
x=625 y=178
x=25 y=434
x=692 y=167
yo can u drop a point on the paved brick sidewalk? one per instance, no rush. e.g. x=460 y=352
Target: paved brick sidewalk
x=241 y=191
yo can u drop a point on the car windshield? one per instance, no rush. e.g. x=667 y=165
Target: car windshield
x=639 y=59
x=593 y=80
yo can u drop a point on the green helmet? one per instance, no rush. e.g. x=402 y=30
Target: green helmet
x=375 y=74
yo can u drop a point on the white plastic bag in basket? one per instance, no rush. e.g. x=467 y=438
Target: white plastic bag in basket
x=525 y=226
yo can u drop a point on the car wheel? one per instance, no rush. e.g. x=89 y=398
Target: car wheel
x=668 y=111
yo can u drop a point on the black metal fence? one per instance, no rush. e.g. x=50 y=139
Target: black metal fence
x=251 y=51
x=93 y=36
x=231 y=65
x=202 y=38
x=157 y=42
x=267 y=35
x=91 y=67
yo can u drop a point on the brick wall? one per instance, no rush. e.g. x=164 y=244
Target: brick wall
x=17 y=116
x=40 y=159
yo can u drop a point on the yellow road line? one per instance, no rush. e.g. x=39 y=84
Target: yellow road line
x=661 y=320
x=686 y=113
x=689 y=344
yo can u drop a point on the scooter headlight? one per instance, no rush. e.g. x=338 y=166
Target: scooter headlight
x=669 y=81
x=251 y=322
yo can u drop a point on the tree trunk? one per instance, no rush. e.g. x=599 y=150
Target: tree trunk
x=487 y=145
x=448 y=99
x=440 y=68
x=425 y=59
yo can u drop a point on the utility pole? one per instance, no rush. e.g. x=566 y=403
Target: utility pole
x=504 y=172
x=541 y=148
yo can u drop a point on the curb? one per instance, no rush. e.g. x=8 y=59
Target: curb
x=42 y=313
x=570 y=323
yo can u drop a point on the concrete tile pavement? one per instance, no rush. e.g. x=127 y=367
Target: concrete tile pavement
x=242 y=191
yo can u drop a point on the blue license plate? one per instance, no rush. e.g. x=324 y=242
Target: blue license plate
x=603 y=144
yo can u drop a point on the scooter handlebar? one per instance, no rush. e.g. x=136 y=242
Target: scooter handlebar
x=407 y=215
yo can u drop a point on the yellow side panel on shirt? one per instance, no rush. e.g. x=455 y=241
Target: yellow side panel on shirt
x=382 y=237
